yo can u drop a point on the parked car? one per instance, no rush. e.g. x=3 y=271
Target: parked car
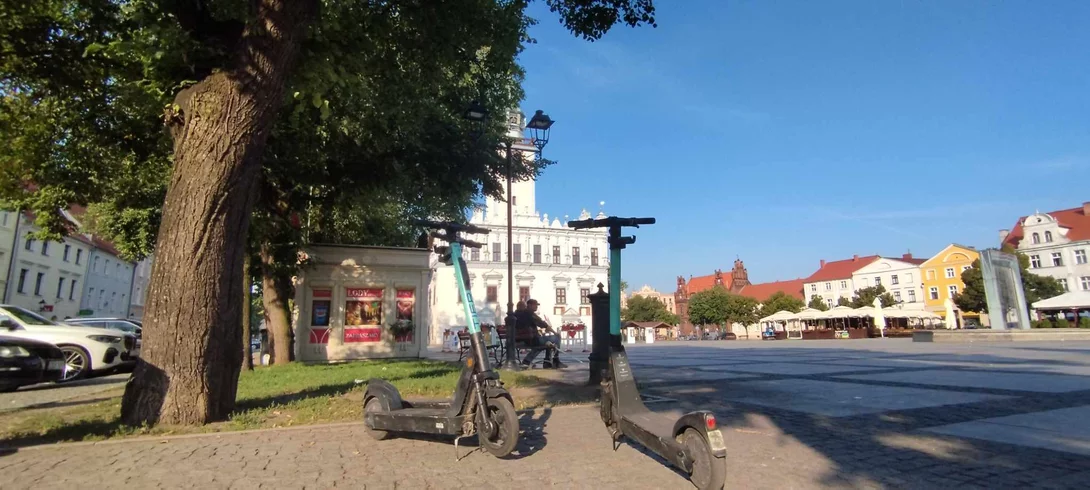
x=86 y=349
x=26 y=362
x=120 y=324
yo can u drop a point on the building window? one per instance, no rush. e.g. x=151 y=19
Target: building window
x=45 y=249
x=934 y=291
x=953 y=290
x=950 y=274
x=67 y=249
x=94 y=265
x=828 y=286
x=1057 y=259
x=60 y=288
x=877 y=281
x=1048 y=237
x=29 y=244
x=893 y=280
x=584 y=296
x=524 y=293
x=72 y=290
x=491 y=294
x=106 y=269
x=117 y=270
x=38 y=284
x=1036 y=238
x=843 y=284
x=537 y=254
x=79 y=256
x=1084 y=283
x=1034 y=261
x=575 y=255
x=897 y=296
x=495 y=252
x=930 y=274
x=517 y=251
x=813 y=288
x=829 y=302
x=556 y=254
x=561 y=296
x=1080 y=256
x=475 y=254
x=911 y=296
x=594 y=256
x=1063 y=282
x=22 y=281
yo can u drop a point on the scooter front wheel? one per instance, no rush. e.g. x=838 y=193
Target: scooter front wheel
x=505 y=435
x=709 y=472
x=375 y=405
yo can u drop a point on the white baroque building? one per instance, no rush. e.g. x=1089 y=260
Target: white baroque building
x=554 y=264
x=1057 y=244
x=900 y=277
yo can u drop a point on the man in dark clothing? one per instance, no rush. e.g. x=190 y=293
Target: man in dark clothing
x=527 y=319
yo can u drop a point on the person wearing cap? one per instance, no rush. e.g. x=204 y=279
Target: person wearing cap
x=527 y=318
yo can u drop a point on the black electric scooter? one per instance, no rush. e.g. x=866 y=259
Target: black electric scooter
x=693 y=442
x=481 y=404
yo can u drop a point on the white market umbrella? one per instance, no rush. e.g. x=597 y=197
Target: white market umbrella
x=779 y=316
x=951 y=320
x=838 y=312
x=879 y=317
x=808 y=314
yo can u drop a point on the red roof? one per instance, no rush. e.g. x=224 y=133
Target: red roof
x=700 y=283
x=1075 y=220
x=761 y=292
x=840 y=269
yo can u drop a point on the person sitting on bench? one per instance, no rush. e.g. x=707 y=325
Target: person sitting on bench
x=528 y=319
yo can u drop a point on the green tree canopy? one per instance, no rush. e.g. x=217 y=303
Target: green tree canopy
x=782 y=302
x=818 y=303
x=709 y=307
x=644 y=309
x=842 y=301
x=865 y=297
x=742 y=309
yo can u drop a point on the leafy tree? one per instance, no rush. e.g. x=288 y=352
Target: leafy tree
x=842 y=301
x=709 y=307
x=743 y=310
x=624 y=285
x=1035 y=287
x=782 y=302
x=84 y=84
x=865 y=297
x=818 y=303
x=643 y=309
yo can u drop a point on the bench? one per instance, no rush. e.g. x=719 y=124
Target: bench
x=523 y=344
x=465 y=345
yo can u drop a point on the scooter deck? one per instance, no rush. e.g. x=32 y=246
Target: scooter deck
x=422 y=420
x=659 y=425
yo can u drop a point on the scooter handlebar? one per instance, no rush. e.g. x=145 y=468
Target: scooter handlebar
x=451 y=226
x=610 y=221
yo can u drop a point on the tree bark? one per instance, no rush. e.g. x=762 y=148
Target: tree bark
x=274 y=295
x=247 y=287
x=188 y=372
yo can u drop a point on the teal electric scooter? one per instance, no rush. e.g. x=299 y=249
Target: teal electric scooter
x=481 y=405
x=693 y=442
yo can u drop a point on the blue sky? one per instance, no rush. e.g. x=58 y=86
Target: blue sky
x=786 y=132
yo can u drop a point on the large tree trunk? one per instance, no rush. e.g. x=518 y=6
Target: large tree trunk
x=247 y=290
x=188 y=372
x=274 y=295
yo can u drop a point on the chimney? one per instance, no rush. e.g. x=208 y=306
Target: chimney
x=907 y=256
x=1003 y=235
x=1086 y=209
x=822 y=263
x=855 y=257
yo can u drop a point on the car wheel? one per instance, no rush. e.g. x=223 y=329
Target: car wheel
x=77 y=363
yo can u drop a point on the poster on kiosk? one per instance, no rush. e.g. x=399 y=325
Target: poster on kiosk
x=362 y=315
x=406 y=302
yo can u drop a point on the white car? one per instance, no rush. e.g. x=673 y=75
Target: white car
x=86 y=349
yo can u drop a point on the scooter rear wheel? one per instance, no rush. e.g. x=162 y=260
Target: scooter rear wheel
x=502 y=415
x=375 y=405
x=709 y=472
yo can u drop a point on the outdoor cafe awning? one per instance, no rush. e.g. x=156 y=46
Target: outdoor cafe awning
x=1067 y=301
x=779 y=316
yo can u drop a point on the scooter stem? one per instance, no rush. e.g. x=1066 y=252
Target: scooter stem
x=615 y=290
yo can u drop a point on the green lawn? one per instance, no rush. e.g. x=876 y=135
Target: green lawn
x=268 y=397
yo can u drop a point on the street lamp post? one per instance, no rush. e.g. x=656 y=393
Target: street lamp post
x=539 y=127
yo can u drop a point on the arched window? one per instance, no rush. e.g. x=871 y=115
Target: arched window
x=1036 y=238
x=1048 y=236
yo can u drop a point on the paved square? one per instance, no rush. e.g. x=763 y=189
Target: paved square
x=1066 y=429
x=665 y=375
x=1044 y=383
x=793 y=368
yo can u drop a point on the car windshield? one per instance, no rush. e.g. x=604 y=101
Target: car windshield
x=27 y=316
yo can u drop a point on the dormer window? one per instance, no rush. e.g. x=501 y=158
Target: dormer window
x=1048 y=237
x=1036 y=238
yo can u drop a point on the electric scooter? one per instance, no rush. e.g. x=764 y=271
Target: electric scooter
x=481 y=405
x=693 y=442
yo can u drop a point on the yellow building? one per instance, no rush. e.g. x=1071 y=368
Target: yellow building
x=942 y=279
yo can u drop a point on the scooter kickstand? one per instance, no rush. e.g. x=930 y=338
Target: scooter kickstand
x=459 y=458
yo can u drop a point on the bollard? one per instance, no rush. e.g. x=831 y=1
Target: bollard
x=599 y=326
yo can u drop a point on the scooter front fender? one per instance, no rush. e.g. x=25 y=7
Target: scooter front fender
x=498 y=392
x=704 y=422
x=385 y=392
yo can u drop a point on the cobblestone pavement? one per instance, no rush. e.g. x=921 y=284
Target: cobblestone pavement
x=835 y=414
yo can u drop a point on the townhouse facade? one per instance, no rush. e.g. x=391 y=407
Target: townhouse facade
x=1057 y=244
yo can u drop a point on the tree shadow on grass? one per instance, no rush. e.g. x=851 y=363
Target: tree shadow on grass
x=321 y=391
